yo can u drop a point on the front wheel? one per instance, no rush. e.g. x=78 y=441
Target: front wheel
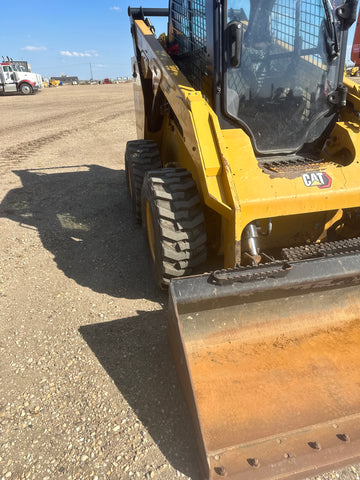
x=173 y=222
x=26 y=89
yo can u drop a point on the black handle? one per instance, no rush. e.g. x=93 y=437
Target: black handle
x=235 y=36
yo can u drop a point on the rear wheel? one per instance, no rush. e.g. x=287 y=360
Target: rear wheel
x=140 y=157
x=174 y=223
x=26 y=89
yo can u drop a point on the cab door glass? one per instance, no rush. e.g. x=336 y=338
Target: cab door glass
x=8 y=72
x=287 y=70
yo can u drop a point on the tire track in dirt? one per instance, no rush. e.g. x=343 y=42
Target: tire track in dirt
x=23 y=150
x=54 y=118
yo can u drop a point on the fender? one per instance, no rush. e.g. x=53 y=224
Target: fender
x=26 y=81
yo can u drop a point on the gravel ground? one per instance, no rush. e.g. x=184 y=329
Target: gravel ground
x=88 y=389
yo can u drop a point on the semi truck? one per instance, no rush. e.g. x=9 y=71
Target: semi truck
x=13 y=79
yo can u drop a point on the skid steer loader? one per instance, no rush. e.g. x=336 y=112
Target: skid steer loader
x=248 y=155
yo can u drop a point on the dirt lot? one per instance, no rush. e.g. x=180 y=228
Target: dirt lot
x=87 y=386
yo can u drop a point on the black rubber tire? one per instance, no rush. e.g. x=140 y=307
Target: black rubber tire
x=178 y=225
x=357 y=74
x=140 y=157
x=26 y=89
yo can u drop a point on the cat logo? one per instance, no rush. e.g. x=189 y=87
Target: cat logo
x=317 y=179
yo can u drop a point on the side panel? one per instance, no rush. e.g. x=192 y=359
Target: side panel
x=10 y=87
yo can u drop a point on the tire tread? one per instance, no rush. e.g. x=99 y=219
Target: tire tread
x=172 y=194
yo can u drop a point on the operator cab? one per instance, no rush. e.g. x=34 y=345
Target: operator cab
x=271 y=67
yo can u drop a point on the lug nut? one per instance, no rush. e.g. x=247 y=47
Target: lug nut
x=344 y=437
x=315 y=445
x=221 y=471
x=253 y=462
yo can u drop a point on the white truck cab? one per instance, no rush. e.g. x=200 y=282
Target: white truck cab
x=14 y=79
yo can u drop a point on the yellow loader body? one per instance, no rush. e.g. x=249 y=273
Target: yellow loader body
x=268 y=358
x=223 y=164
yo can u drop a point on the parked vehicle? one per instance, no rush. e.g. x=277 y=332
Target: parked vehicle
x=14 y=79
x=354 y=70
x=54 y=83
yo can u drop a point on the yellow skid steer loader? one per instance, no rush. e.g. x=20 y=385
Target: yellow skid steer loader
x=248 y=155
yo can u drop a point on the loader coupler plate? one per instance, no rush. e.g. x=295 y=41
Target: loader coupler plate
x=271 y=370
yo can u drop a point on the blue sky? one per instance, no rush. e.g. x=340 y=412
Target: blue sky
x=67 y=36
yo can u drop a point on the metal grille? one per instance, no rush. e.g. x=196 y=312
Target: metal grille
x=298 y=25
x=188 y=18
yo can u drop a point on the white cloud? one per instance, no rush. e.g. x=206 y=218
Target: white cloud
x=93 y=53
x=31 y=48
x=116 y=9
x=89 y=53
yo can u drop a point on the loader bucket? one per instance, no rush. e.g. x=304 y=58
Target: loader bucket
x=270 y=369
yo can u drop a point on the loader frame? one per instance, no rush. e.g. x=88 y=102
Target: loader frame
x=230 y=179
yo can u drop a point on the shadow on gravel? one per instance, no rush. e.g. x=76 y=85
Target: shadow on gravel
x=83 y=216
x=135 y=354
